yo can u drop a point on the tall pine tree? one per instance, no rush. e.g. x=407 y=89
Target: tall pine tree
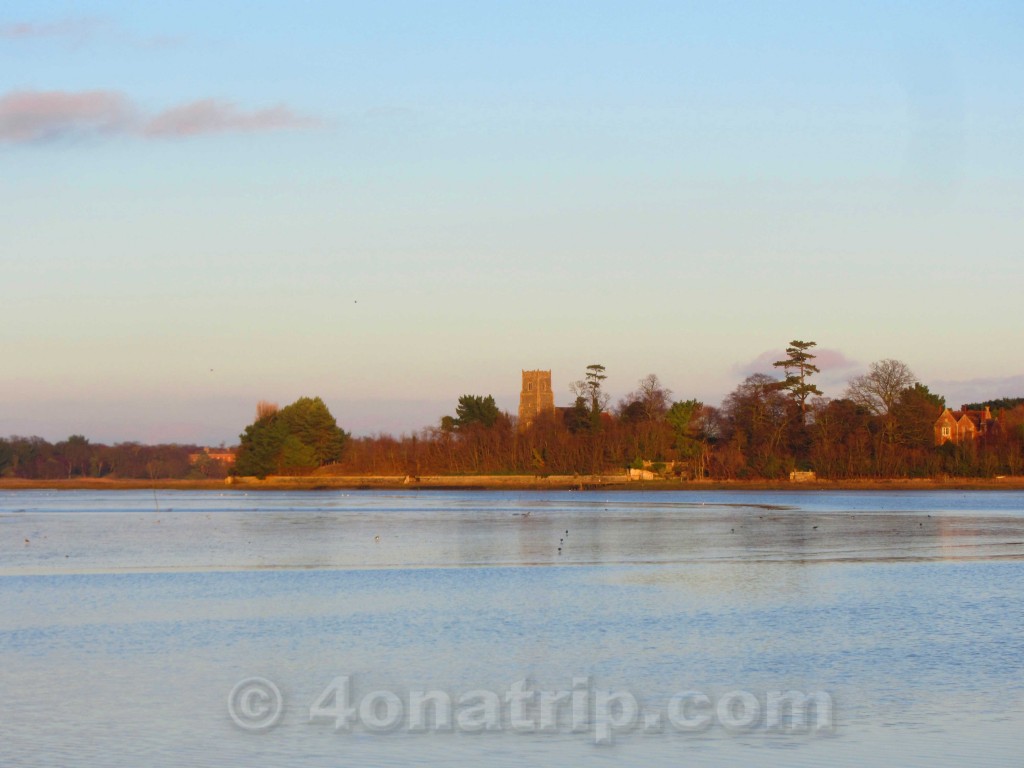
x=798 y=367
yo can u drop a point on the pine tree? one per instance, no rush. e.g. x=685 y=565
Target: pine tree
x=798 y=367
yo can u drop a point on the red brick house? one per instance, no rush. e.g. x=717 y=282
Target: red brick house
x=223 y=455
x=962 y=426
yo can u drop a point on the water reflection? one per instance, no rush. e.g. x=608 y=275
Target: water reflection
x=346 y=531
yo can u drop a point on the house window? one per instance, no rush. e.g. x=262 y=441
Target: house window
x=945 y=431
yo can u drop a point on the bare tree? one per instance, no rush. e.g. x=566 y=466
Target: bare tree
x=756 y=418
x=879 y=389
x=650 y=399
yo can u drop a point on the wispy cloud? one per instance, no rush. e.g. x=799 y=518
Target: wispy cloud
x=81 y=31
x=39 y=116
x=75 y=30
x=29 y=117
x=212 y=116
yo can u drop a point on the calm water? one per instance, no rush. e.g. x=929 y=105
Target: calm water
x=127 y=619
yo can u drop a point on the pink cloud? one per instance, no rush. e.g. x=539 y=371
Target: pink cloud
x=36 y=116
x=836 y=368
x=760 y=364
x=33 y=116
x=828 y=360
x=833 y=360
x=79 y=31
x=75 y=29
x=211 y=116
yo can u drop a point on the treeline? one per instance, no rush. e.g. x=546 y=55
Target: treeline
x=1000 y=404
x=768 y=426
x=882 y=427
x=753 y=435
x=36 y=459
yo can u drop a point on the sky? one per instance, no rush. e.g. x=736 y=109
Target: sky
x=391 y=204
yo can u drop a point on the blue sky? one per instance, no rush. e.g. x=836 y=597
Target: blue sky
x=392 y=204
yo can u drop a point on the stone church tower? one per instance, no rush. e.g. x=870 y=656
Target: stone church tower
x=536 y=396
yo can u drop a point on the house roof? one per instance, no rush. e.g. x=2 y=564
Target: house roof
x=976 y=418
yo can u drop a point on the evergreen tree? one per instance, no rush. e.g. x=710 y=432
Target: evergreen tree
x=798 y=367
x=598 y=400
x=475 y=409
x=297 y=438
x=589 y=390
x=915 y=413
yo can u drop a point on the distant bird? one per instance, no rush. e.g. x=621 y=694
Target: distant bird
x=815 y=528
x=377 y=539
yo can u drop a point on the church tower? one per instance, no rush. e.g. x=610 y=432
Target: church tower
x=535 y=397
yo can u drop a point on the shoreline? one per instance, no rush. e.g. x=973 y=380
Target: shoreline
x=512 y=482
